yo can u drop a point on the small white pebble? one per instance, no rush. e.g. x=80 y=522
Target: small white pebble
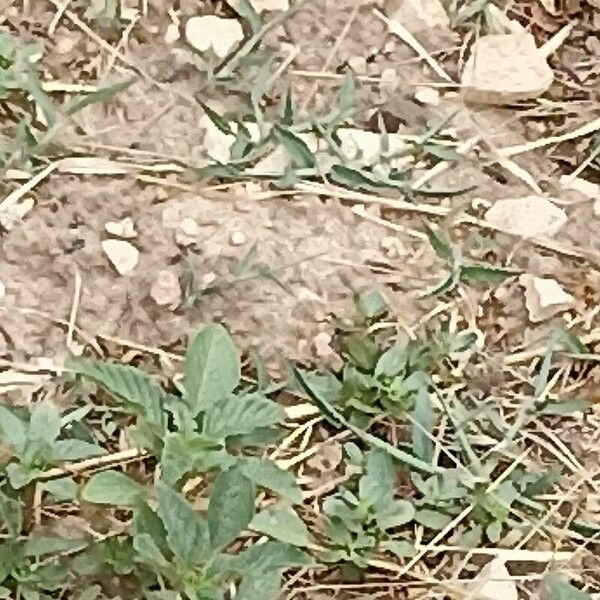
x=426 y=95
x=209 y=278
x=172 y=34
x=2 y=290
x=238 y=238
x=166 y=289
x=189 y=227
x=596 y=208
x=124 y=228
x=123 y=256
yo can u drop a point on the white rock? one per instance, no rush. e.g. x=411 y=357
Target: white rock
x=124 y=228
x=213 y=32
x=165 y=290
x=260 y=5
x=544 y=297
x=187 y=232
x=209 y=279
x=15 y=213
x=494 y=583
x=505 y=68
x=529 y=216
x=123 y=255
x=172 y=34
x=238 y=238
x=583 y=186
x=418 y=15
x=427 y=95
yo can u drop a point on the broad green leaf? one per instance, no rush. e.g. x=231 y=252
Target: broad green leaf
x=231 y=506
x=259 y=585
x=362 y=351
x=392 y=361
x=399 y=548
x=370 y=303
x=299 y=152
x=10 y=515
x=62 y=489
x=558 y=588
x=336 y=417
x=422 y=427
x=146 y=522
x=267 y=474
x=19 y=475
x=432 y=519
x=187 y=533
x=212 y=368
x=128 y=383
x=13 y=430
x=377 y=484
x=439 y=243
x=112 y=487
x=147 y=549
x=48 y=545
x=282 y=524
x=11 y=555
x=184 y=454
x=238 y=415
x=75 y=450
x=44 y=423
x=395 y=514
x=267 y=556
x=102 y=95
x=485 y=274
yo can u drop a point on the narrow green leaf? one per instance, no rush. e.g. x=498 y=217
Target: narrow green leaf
x=247 y=12
x=447 y=284
x=392 y=361
x=432 y=519
x=399 y=548
x=282 y=524
x=347 y=94
x=485 y=274
x=102 y=95
x=49 y=545
x=147 y=549
x=63 y=489
x=212 y=367
x=299 y=152
x=335 y=416
x=112 y=487
x=362 y=351
x=231 y=506
x=13 y=430
x=267 y=474
x=10 y=515
x=75 y=450
x=44 y=423
x=439 y=243
x=423 y=422
x=187 y=533
x=356 y=179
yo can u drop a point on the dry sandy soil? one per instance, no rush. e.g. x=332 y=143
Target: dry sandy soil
x=324 y=245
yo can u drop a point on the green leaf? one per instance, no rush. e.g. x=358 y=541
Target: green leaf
x=362 y=351
x=187 y=533
x=147 y=549
x=432 y=519
x=347 y=93
x=63 y=489
x=238 y=415
x=356 y=179
x=423 y=422
x=445 y=285
x=102 y=95
x=112 y=487
x=267 y=556
x=183 y=454
x=336 y=417
x=146 y=522
x=392 y=361
x=212 y=368
x=245 y=10
x=13 y=430
x=128 y=383
x=281 y=524
x=10 y=515
x=218 y=121
x=395 y=514
x=399 y=548
x=44 y=423
x=49 y=545
x=267 y=474
x=75 y=450
x=299 y=152
x=377 y=484
x=558 y=588
x=19 y=475
x=484 y=274
x=259 y=585
x=231 y=506
x=567 y=407
x=439 y=243
x=370 y=304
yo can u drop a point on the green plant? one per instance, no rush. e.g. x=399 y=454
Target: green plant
x=461 y=271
